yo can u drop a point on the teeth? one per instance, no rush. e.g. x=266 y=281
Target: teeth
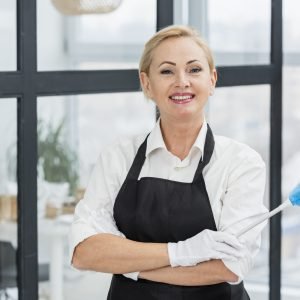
x=181 y=97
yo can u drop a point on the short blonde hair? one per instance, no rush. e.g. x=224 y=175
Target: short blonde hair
x=173 y=31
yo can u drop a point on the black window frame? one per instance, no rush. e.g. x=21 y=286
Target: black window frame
x=27 y=83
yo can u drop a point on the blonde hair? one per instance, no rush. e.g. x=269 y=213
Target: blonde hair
x=173 y=31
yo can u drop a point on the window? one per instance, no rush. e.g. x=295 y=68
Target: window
x=8 y=57
x=88 y=42
x=291 y=151
x=242 y=61
x=217 y=22
x=8 y=198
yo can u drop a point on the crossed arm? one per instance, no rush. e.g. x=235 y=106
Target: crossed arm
x=112 y=254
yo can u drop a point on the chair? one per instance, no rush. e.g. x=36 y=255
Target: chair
x=8 y=269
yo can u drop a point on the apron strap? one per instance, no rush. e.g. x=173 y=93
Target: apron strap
x=138 y=162
x=208 y=151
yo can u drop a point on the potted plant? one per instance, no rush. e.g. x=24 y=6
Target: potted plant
x=57 y=166
x=56 y=160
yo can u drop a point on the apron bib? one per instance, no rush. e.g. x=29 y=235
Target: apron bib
x=162 y=211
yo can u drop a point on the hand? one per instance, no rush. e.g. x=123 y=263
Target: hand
x=204 y=246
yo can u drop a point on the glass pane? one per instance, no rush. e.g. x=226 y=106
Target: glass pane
x=8 y=61
x=100 y=41
x=8 y=198
x=84 y=125
x=290 y=178
x=291 y=34
x=242 y=113
x=239 y=31
x=291 y=150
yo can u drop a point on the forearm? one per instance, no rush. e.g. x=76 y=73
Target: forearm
x=112 y=254
x=205 y=273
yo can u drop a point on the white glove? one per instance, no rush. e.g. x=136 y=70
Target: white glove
x=132 y=275
x=204 y=246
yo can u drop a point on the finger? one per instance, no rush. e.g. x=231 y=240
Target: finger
x=220 y=255
x=226 y=249
x=229 y=239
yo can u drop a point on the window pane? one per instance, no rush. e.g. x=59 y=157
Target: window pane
x=290 y=178
x=242 y=113
x=8 y=198
x=291 y=150
x=88 y=124
x=291 y=36
x=8 y=22
x=100 y=41
x=239 y=31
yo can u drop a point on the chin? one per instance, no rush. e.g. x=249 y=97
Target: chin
x=189 y=116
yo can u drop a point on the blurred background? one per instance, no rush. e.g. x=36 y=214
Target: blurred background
x=72 y=130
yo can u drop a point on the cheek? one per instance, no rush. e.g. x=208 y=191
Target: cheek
x=205 y=85
x=159 y=87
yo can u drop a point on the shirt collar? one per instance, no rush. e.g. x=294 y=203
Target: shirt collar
x=156 y=141
x=200 y=140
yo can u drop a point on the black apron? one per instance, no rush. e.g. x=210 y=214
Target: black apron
x=162 y=211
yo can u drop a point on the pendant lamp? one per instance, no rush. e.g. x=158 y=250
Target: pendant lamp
x=79 y=7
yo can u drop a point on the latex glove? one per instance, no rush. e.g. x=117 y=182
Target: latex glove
x=132 y=275
x=204 y=246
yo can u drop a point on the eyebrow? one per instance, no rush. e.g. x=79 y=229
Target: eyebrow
x=174 y=64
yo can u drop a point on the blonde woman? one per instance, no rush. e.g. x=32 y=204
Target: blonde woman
x=161 y=210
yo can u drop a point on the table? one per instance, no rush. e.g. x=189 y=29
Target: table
x=56 y=230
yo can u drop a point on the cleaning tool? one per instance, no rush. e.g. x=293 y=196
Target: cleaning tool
x=294 y=199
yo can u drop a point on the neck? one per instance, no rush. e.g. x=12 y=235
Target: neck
x=179 y=137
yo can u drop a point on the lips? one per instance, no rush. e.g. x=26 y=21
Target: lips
x=181 y=98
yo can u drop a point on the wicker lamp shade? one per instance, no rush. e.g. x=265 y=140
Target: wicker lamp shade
x=79 y=7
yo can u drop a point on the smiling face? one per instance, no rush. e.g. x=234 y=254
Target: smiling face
x=179 y=80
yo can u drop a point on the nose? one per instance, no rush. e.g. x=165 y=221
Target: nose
x=182 y=80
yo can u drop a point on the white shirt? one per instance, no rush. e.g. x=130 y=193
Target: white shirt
x=234 y=177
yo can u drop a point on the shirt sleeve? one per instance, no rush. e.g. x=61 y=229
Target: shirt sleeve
x=242 y=204
x=94 y=213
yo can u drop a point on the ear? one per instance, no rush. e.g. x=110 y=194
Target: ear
x=213 y=79
x=145 y=83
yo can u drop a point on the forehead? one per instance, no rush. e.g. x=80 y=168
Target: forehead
x=178 y=49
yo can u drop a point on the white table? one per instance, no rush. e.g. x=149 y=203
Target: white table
x=57 y=232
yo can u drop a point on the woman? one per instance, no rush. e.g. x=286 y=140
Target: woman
x=163 y=209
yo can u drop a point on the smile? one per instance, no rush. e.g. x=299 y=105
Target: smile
x=181 y=99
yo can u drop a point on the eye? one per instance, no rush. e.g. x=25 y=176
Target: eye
x=195 y=70
x=166 y=72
